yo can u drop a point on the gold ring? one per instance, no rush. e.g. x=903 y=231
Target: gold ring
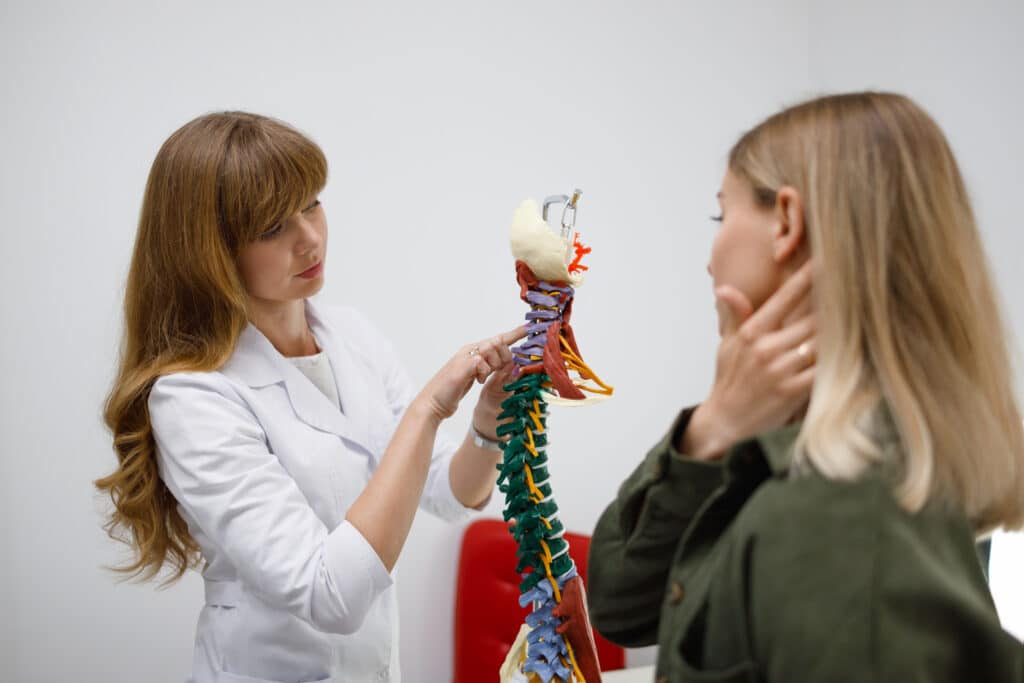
x=474 y=351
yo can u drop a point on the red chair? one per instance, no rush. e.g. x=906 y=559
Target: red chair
x=487 y=611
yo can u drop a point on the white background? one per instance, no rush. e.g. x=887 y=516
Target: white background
x=437 y=119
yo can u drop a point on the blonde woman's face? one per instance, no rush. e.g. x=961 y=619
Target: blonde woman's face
x=286 y=263
x=742 y=255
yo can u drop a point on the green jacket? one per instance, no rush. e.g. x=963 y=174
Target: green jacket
x=740 y=573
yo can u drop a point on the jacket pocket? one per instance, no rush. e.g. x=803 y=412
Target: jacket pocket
x=691 y=665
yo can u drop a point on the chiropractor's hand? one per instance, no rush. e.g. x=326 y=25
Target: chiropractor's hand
x=488 y=362
x=488 y=406
x=764 y=371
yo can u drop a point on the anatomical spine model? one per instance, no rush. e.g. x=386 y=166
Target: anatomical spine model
x=556 y=643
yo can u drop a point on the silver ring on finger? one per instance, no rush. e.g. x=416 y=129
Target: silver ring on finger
x=803 y=351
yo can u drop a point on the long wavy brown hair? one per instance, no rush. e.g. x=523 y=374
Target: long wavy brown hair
x=216 y=184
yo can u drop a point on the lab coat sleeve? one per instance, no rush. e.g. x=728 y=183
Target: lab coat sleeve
x=438 y=498
x=213 y=457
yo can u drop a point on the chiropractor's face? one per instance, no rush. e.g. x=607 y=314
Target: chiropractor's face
x=742 y=253
x=286 y=263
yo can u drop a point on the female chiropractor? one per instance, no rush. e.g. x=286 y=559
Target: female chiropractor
x=278 y=442
x=836 y=542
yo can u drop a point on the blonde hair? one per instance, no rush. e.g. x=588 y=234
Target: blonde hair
x=909 y=328
x=216 y=184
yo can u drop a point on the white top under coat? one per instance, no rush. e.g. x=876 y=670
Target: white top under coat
x=317 y=369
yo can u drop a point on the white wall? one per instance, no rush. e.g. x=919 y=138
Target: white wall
x=436 y=119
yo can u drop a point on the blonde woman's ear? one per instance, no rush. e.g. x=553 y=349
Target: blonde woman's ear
x=789 y=227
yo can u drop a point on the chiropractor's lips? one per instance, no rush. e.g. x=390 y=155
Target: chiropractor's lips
x=312 y=272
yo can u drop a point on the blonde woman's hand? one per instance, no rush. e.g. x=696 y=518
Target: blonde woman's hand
x=485 y=360
x=764 y=370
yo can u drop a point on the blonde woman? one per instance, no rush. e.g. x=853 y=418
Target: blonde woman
x=836 y=543
x=276 y=442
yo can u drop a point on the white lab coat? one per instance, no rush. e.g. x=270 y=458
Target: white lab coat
x=264 y=468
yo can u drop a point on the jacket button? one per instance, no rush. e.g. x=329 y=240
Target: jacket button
x=676 y=593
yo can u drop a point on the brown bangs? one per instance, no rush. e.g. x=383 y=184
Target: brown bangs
x=269 y=171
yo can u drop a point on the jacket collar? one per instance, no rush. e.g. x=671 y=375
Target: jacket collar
x=767 y=454
x=778 y=445
x=256 y=363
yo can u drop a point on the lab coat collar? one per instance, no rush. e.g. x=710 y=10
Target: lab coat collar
x=258 y=364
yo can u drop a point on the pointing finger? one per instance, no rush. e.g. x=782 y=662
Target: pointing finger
x=513 y=335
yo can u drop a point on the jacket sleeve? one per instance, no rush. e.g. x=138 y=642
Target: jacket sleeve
x=438 y=498
x=636 y=537
x=213 y=457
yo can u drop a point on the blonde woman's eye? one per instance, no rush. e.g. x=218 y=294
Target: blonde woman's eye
x=272 y=232
x=316 y=203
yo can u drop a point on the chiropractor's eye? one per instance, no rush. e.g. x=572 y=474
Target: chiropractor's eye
x=718 y=218
x=272 y=232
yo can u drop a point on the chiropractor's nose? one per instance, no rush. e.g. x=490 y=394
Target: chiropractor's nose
x=310 y=238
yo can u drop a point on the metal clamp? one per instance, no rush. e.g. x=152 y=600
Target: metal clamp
x=568 y=211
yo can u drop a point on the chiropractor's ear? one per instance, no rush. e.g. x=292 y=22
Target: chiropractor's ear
x=789 y=236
